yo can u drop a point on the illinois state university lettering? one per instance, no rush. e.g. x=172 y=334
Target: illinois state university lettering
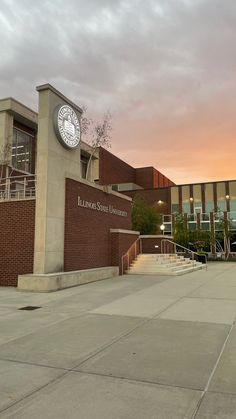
x=98 y=206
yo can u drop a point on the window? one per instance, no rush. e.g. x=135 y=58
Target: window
x=84 y=165
x=22 y=147
x=174 y=199
x=197 y=196
x=209 y=198
x=232 y=194
x=185 y=199
x=221 y=202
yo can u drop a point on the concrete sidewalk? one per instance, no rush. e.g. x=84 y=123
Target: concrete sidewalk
x=129 y=347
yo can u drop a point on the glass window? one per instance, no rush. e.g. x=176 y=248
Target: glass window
x=205 y=217
x=197 y=208
x=232 y=220
x=209 y=198
x=83 y=165
x=221 y=201
x=185 y=199
x=192 y=226
x=205 y=226
x=22 y=147
x=197 y=196
x=191 y=217
x=167 y=228
x=232 y=194
x=174 y=208
x=174 y=199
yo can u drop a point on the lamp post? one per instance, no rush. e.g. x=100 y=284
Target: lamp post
x=162 y=227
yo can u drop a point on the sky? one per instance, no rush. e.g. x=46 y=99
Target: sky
x=165 y=69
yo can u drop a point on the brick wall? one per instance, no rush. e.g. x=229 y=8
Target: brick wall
x=149 y=177
x=120 y=243
x=17 y=240
x=144 y=177
x=148 y=244
x=87 y=231
x=113 y=170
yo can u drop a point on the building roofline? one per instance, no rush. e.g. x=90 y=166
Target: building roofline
x=48 y=86
x=20 y=112
x=12 y=99
x=182 y=184
x=204 y=183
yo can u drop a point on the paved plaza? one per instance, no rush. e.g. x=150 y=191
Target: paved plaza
x=140 y=347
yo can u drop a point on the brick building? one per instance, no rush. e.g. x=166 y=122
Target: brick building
x=53 y=221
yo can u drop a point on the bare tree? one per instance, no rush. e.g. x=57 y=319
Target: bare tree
x=96 y=133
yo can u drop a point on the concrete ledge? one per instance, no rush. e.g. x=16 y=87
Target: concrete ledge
x=156 y=236
x=122 y=231
x=61 y=280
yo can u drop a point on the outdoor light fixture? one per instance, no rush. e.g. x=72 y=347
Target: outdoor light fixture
x=191 y=199
x=156 y=245
x=162 y=227
x=227 y=196
x=160 y=202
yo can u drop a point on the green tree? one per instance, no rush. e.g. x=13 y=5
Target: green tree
x=181 y=233
x=144 y=218
x=224 y=230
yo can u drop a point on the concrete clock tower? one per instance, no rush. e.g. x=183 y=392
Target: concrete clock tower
x=58 y=156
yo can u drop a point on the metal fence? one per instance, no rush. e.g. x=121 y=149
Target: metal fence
x=18 y=188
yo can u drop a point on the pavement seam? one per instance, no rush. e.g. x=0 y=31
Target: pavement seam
x=33 y=364
x=177 y=301
x=125 y=334
x=66 y=372
x=213 y=371
x=154 y=317
x=81 y=314
x=135 y=380
x=33 y=392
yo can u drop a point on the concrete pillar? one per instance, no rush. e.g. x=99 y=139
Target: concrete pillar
x=54 y=163
x=6 y=133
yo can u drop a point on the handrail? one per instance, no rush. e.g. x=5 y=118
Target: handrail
x=185 y=248
x=19 y=176
x=134 y=244
x=18 y=187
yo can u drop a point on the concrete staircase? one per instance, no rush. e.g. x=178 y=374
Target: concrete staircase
x=163 y=264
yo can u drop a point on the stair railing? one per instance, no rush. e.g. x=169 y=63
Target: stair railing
x=131 y=254
x=193 y=254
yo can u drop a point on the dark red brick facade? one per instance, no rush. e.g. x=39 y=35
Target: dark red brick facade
x=113 y=170
x=120 y=243
x=148 y=245
x=88 y=241
x=17 y=240
x=149 y=177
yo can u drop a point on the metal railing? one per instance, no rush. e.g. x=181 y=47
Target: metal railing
x=130 y=255
x=186 y=250
x=18 y=188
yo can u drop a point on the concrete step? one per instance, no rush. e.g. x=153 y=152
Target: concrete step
x=169 y=264
x=163 y=264
x=164 y=271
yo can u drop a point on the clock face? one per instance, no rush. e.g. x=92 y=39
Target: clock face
x=67 y=126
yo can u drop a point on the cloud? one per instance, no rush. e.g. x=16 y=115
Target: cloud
x=165 y=69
